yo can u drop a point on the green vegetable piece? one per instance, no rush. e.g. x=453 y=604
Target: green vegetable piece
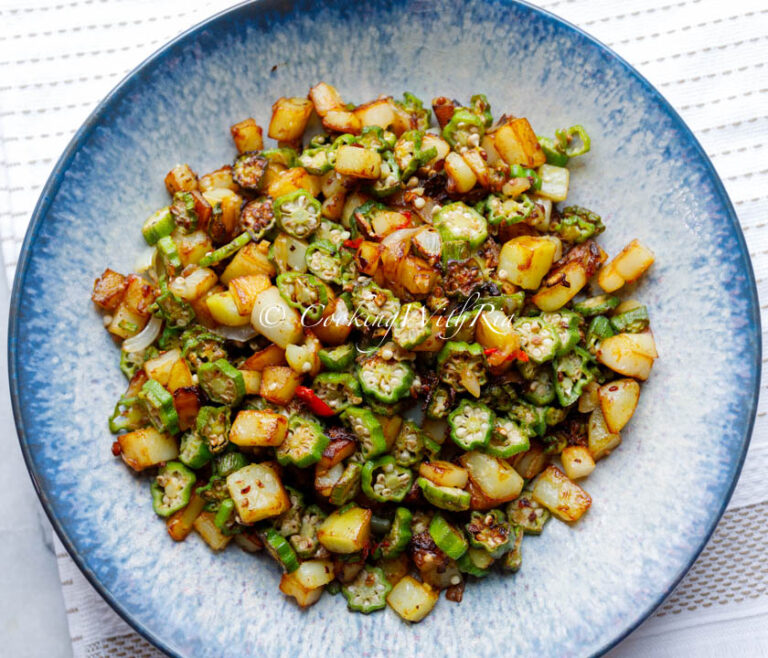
x=518 y=171
x=464 y=129
x=449 y=539
x=172 y=488
x=131 y=363
x=633 y=321
x=214 y=493
x=555 y=443
x=471 y=424
x=411 y=328
x=227 y=463
x=513 y=560
x=376 y=305
x=596 y=305
x=384 y=481
x=396 y=540
x=338 y=358
x=304 y=443
x=540 y=389
x=455 y=250
x=408 y=448
x=159 y=407
x=480 y=106
x=415 y=107
x=289 y=522
x=376 y=139
x=452 y=499
x=576 y=224
x=380 y=525
x=368 y=591
x=298 y=213
x=324 y=261
x=129 y=414
x=599 y=329
x=385 y=380
x=169 y=255
x=409 y=155
x=505 y=212
x=226 y=518
x=457 y=221
x=553 y=155
x=194 y=451
x=279 y=548
x=338 y=390
x=574 y=141
x=176 y=312
x=367 y=430
x=390 y=179
x=441 y=402
x=458 y=360
x=222 y=253
x=331 y=232
x=499 y=397
x=555 y=415
x=490 y=531
x=283 y=155
x=527 y=514
x=510 y=304
x=538 y=338
x=222 y=382
x=183 y=211
x=317 y=160
x=566 y=324
x=507 y=439
x=348 y=485
x=212 y=425
x=304 y=292
x=158 y=225
x=305 y=542
x=532 y=419
x=475 y=562
x=248 y=170
x=572 y=374
x=201 y=346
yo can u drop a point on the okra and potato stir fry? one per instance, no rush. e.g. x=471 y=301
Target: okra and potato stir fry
x=384 y=353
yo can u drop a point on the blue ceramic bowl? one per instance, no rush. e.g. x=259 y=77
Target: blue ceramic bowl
x=656 y=499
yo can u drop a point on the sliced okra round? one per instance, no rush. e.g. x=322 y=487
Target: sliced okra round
x=130 y=414
x=332 y=232
x=412 y=327
x=376 y=305
x=158 y=225
x=566 y=324
x=538 y=338
x=257 y=218
x=448 y=538
x=457 y=221
x=228 y=462
x=222 y=382
x=471 y=424
x=408 y=448
x=384 y=481
x=347 y=486
x=280 y=549
x=452 y=499
x=502 y=211
x=397 y=538
x=338 y=390
x=576 y=224
x=368 y=591
x=303 y=444
x=540 y=388
x=304 y=292
x=298 y=213
x=176 y=312
x=248 y=170
x=459 y=363
x=194 y=450
x=226 y=518
x=526 y=513
x=172 y=488
x=183 y=211
x=598 y=305
x=490 y=531
x=507 y=439
x=324 y=261
x=289 y=522
x=440 y=403
x=465 y=129
x=367 y=431
x=572 y=372
x=305 y=542
x=158 y=404
x=633 y=321
x=513 y=559
x=212 y=425
x=599 y=329
x=386 y=380
x=338 y=358
x=475 y=562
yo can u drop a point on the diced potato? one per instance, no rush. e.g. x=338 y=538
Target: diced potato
x=411 y=599
x=147 y=447
x=564 y=498
x=385 y=222
x=192 y=246
x=139 y=296
x=488 y=145
x=390 y=426
x=200 y=306
x=335 y=453
x=436 y=429
x=618 y=400
x=220 y=179
x=358 y=162
x=275 y=319
x=342 y=121
x=462 y=177
x=109 y=289
x=315 y=573
x=258 y=428
x=290 y=180
x=525 y=260
x=180 y=179
x=245 y=289
x=326 y=479
x=160 y=367
x=478 y=500
x=395 y=569
x=325 y=98
x=561 y=286
x=436 y=339
x=223 y=309
x=376 y=113
x=205 y=526
x=250 y=260
x=269 y=356
x=352 y=203
x=187 y=401
x=180 y=523
x=271 y=174
x=335 y=325
x=478 y=165
x=416 y=275
x=257 y=493
x=291 y=586
x=126 y=323
x=643 y=343
x=554 y=182
x=194 y=285
x=628 y=266
x=600 y=440
x=230 y=203
x=346 y=531
x=620 y=354
x=609 y=279
x=444 y=474
x=367 y=257
x=494 y=331
x=278 y=384
x=516 y=143
x=589 y=400
x=531 y=462
x=442 y=147
x=577 y=462
x=304 y=358
x=495 y=477
x=252 y=380
x=180 y=376
x=289 y=119
x=403 y=120
x=247 y=135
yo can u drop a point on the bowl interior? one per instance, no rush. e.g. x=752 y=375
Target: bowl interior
x=656 y=499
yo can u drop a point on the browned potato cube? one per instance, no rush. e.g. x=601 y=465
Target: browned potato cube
x=278 y=384
x=358 y=162
x=376 y=113
x=147 y=447
x=516 y=143
x=108 y=290
x=247 y=135
x=187 y=401
x=325 y=98
x=205 y=526
x=258 y=428
x=290 y=180
x=180 y=179
x=342 y=121
x=219 y=179
x=244 y=290
x=289 y=119
x=180 y=524
x=269 y=356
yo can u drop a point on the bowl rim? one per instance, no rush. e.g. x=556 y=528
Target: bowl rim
x=103 y=108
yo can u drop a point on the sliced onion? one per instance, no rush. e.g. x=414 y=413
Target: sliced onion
x=240 y=334
x=145 y=260
x=394 y=249
x=145 y=337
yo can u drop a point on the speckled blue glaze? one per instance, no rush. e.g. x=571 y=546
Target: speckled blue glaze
x=656 y=500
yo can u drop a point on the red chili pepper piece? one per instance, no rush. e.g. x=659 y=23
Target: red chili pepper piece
x=353 y=244
x=490 y=350
x=519 y=355
x=315 y=404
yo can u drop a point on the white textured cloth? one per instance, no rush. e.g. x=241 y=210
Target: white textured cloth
x=58 y=58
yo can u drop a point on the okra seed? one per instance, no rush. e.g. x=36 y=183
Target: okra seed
x=107 y=320
x=419 y=202
x=455 y=580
